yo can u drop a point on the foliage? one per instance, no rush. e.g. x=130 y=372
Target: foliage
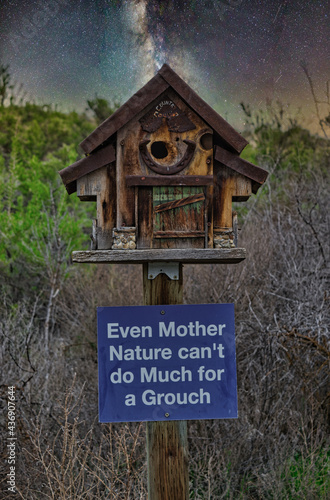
x=280 y=145
x=5 y=83
x=36 y=142
x=41 y=129
x=277 y=138
x=101 y=108
x=307 y=472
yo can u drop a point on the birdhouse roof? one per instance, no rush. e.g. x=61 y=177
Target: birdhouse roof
x=100 y=151
x=165 y=78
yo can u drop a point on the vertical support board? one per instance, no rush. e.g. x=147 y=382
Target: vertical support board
x=144 y=213
x=126 y=164
x=222 y=215
x=106 y=209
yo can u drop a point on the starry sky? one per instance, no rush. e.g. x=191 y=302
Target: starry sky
x=67 y=51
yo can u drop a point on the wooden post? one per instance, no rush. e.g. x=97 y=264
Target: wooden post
x=167 y=444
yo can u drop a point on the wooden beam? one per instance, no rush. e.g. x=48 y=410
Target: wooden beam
x=167 y=442
x=169 y=180
x=185 y=255
x=106 y=209
x=145 y=218
x=179 y=234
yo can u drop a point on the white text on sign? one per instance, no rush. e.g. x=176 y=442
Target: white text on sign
x=193 y=329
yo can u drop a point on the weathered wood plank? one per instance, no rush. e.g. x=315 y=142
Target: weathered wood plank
x=179 y=234
x=126 y=164
x=179 y=203
x=223 y=192
x=106 y=208
x=90 y=185
x=186 y=256
x=85 y=166
x=181 y=243
x=145 y=218
x=87 y=187
x=168 y=180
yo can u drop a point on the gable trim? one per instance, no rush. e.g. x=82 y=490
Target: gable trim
x=153 y=89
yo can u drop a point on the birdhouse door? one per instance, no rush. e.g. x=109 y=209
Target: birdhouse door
x=178 y=216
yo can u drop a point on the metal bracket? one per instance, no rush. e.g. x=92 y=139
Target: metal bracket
x=171 y=269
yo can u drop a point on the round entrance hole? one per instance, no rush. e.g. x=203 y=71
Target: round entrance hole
x=159 y=150
x=206 y=141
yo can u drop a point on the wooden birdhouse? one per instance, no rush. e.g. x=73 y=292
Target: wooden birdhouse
x=164 y=170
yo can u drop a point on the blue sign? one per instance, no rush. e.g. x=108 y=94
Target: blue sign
x=174 y=362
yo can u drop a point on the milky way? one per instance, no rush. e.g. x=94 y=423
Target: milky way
x=229 y=51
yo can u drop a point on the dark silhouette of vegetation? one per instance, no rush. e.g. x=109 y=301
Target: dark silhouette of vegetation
x=323 y=120
x=101 y=108
x=279 y=445
x=5 y=83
